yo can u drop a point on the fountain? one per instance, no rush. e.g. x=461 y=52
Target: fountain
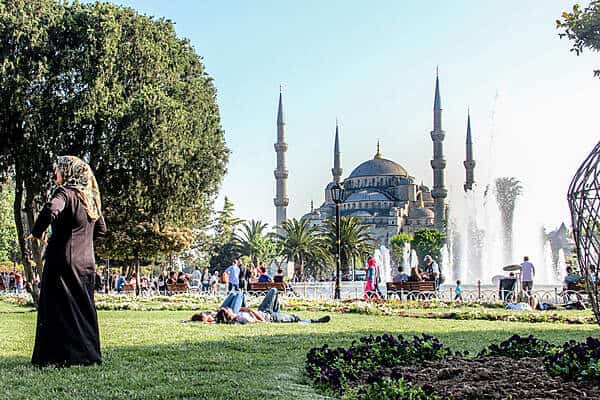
x=382 y=256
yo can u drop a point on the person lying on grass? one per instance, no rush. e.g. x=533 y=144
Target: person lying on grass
x=234 y=310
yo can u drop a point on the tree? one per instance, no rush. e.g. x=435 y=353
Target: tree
x=223 y=249
x=251 y=240
x=8 y=231
x=304 y=245
x=582 y=27
x=428 y=242
x=398 y=244
x=355 y=240
x=507 y=192
x=119 y=90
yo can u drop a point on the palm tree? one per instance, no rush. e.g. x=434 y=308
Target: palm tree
x=355 y=240
x=251 y=239
x=507 y=192
x=304 y=245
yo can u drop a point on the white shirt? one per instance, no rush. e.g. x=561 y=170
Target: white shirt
x=527 y=271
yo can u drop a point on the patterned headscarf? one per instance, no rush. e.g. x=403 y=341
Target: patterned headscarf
x=78 y=175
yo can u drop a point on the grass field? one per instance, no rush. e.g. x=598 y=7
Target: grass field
x=152 y=355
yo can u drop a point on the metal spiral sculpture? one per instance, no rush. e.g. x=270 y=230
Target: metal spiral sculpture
x=584 y=202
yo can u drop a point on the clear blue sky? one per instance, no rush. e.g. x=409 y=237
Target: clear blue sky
x=534 y=105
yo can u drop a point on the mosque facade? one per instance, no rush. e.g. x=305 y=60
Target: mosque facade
x=380 y=192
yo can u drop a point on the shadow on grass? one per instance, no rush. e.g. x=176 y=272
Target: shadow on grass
x=251 y=364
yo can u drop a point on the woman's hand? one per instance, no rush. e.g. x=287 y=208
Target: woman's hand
x=39 y=240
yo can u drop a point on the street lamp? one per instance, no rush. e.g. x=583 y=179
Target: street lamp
x=337 y=195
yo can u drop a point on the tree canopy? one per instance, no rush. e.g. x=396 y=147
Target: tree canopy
x=121 y=91
x=428 y=242
x=582 y=26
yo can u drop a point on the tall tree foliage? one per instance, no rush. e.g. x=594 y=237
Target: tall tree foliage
x=305 y=246
x=8 y=231
x=398 y=244
x=582 y=27
x=428 y=242
x=223 y=248
x=355 y=240
x=253 y=240
x=123 y=92
x=508 y=191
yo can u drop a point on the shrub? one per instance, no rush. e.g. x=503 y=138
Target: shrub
x=576 y=360
x=519 y=347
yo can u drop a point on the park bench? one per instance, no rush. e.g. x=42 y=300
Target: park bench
x=127 y=288
x=261 y=287
x=424 y=289
x=174 y=288
x=576 y=287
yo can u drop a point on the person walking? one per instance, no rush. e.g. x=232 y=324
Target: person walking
x=67 y=324
x=371 y=281
x=527 y=275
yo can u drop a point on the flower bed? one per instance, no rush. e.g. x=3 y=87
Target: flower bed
x=421 y=368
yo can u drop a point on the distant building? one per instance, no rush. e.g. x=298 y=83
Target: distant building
x=384 y=196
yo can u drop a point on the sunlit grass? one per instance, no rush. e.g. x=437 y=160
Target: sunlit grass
x=154 y=355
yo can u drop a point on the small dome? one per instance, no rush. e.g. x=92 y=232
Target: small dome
x=379 y=167
x=367 y=195
x=421 y=213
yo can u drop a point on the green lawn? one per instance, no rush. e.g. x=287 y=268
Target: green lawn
x=152 y=355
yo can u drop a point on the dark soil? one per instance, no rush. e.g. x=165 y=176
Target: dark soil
x=491 y=378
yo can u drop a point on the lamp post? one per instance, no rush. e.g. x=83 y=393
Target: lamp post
x=337 y=195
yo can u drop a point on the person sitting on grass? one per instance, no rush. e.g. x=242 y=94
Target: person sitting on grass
x=264 y=277
x=268 y=311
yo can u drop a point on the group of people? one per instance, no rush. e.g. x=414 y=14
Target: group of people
x=236 y=277
x=430 y=272
x=12 y=281
x=239 y=276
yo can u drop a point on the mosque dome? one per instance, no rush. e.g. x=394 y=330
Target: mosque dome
x=421 y=213
x=378 y=166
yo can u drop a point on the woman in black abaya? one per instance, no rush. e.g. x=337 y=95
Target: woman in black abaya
x=67 y=324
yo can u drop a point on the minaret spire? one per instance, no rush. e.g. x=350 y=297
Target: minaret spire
x=281 y=200
x=439 y=192
x=378 y=154
x=337 y=156
x=469 y=162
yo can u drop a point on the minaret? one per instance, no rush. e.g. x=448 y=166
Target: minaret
x=281 y=173
x=337 y=156
x=469 y=162
x=438 y=163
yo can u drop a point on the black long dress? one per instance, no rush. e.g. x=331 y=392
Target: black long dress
x=67 y=323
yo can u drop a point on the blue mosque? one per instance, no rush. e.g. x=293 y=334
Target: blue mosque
x=380 y=192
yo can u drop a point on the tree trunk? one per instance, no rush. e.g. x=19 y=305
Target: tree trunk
x=31 y=272
x=138 y=289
